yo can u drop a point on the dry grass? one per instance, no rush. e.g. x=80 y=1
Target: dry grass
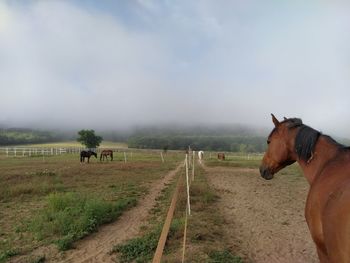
x=26 y=182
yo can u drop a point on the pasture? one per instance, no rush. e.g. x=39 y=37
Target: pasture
x=236 y=215
x=38 y=195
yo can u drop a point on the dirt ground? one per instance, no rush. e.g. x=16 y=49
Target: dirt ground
x=265 y=219
x=96 y=247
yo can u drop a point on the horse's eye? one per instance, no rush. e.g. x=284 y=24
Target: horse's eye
x=268 y=141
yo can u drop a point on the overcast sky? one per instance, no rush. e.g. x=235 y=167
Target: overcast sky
x=112 y=64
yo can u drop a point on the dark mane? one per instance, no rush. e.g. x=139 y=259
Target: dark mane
x=293 y=122
x=306 y=138
x=305 y=142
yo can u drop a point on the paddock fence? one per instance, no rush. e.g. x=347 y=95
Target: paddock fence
x=22 y=151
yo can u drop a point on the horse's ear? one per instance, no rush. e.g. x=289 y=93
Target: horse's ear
x=285 y=118
x=274 y=120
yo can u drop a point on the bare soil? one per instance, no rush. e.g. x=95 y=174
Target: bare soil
x=97 y=247
x=264 y=219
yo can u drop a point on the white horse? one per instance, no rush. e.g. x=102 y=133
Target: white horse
x=200 y=155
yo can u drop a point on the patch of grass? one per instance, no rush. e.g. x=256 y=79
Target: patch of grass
x=206 y=227
x=223 y=257
x=141 y=249
x=71 y=216
x=37 y=259
x=4 y=256
x=46 y=172
x=242 y=163
x=36 y=187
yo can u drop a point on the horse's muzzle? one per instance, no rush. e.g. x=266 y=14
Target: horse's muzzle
x=265 y=173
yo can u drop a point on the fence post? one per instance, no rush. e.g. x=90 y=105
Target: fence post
x=161 y=156
x=7 y=152
x=124 y=157
x=163 y=236
x=188 y=187
x=193 y=157
x=15 y=151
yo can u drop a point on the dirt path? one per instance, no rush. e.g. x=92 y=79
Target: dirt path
x=96 y=247
x=265 y=219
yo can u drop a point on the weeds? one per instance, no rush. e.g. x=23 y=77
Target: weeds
x=7 y=254
x=141 y=249
x=72 y=216
x=223 y=257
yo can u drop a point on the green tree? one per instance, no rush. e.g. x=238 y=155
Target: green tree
x=89 y=139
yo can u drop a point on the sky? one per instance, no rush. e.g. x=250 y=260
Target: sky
x=117 y=64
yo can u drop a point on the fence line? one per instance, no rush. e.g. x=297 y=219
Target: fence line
x=22 y=151
x=163 y=236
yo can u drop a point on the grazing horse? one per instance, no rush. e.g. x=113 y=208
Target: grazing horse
x=326 y=166
x=105 y=154
x=86 y=154
x=221 y=156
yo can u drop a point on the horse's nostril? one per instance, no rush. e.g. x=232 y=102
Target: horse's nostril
x=265 y=173
x=262 y=170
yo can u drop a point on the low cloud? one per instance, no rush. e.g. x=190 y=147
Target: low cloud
x=67 y=64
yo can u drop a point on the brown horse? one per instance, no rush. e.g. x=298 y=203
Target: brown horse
x=221 y=156
x=105 y=154
x=326 y=166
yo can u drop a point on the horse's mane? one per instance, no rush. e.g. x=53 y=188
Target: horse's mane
x=305 y=142
x=306 y=138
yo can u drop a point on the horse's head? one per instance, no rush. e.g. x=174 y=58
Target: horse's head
x=92 y=153
x=280 y=150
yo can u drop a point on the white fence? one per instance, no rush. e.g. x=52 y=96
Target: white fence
x=42 y=151
x=37 y=151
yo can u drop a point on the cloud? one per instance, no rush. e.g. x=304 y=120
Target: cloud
x=118 y=64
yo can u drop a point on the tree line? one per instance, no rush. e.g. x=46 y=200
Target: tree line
x=207 y=143
x=26 y=136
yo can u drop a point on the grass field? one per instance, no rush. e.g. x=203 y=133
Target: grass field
x=58 y=200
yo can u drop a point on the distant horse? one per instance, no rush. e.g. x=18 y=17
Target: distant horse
x=86 y=154
x=200 y=155
x=105 y=154
x=221 y=156
x=326 y=166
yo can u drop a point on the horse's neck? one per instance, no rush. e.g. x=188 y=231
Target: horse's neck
x=324 y=151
